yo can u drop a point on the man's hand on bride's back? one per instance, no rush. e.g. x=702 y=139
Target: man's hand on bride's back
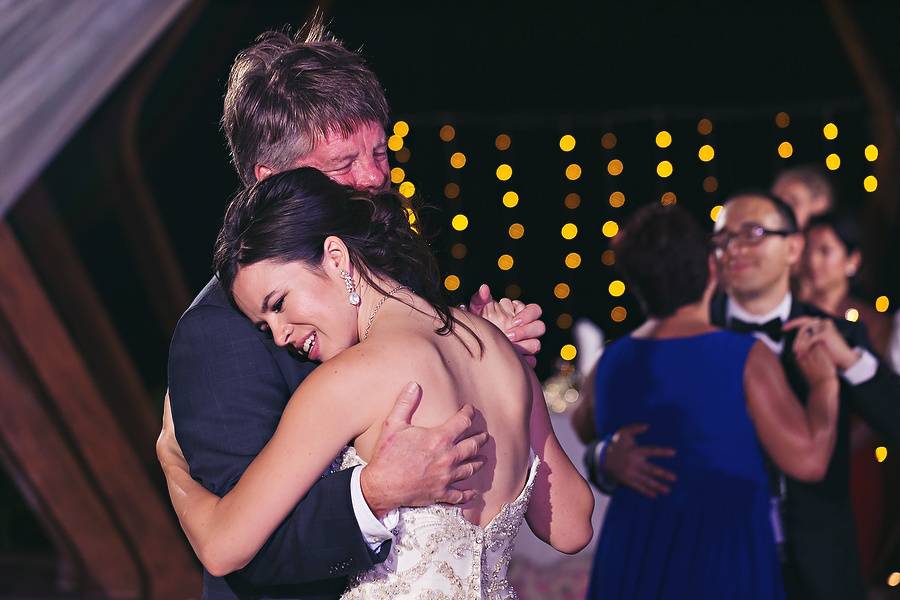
x=418 y=466
x=520 y=322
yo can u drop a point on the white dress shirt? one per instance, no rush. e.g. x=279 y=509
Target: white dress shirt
x=374 y=530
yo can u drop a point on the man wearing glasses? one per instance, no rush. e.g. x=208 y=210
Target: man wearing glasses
x=756 y=242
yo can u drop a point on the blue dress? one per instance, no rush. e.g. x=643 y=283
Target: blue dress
x=711 y=536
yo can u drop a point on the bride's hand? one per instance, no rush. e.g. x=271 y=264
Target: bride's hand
x=521 y=322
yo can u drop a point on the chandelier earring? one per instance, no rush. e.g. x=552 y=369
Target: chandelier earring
x=351 y=288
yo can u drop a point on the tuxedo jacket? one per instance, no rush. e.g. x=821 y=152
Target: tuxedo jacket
x=822 y=559
x=228 y=385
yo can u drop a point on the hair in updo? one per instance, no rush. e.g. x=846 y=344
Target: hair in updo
x=286 y=218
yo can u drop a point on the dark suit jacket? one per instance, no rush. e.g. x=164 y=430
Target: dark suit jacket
x=822 y=555
x=228 y=385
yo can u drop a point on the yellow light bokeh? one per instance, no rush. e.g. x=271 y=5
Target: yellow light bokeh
x=447 y=133
x=618 y=314
x=617 y=199
x=870 y=183
x=395 y=142
x=573 y=172
x=460 y=222
x=573 y=260
x=505 y=262
x=668 y=199
x=451 y=282
x=457 y=160
x=610 y=229
x=502 y=142
x=785 y=149
x=830 y=131
x=608 y=257
x=710 y=184
x=616 y=288
x=504 y=172
x=706 y=153
x=458 y=251
x=663 y=139
x=451 y=190
x=569 y=231
x=871 y=153
x=852 y=315
x=664 y=168
x=401 y=128
x=516 y=231
x=407 y=189
x=704 y=127
x=411 y=216
x=833 y=162
x=564 y=321
x=882 y=304
x=714 y=213
x=782 y=120
x=572 y=201
x=568 y=352
x=894 y=579
x=608 y=141
x=402 y=155
x=881 y=454
x=510 y=199
x=562 y=290
x=397 y=175
x=513 y=291
x=567 y=143
x=615 y=167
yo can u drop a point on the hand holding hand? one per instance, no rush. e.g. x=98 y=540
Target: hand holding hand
x=813 y=358
x=812 y=330
x=628 y=463
x=521 y=322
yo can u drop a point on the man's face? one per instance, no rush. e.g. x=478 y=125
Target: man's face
x=755 y=268
x=358 y=160
x=801 y=198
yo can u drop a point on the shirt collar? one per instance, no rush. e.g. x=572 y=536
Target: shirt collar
x=733 y=310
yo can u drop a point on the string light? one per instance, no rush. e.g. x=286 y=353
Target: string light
x=852 y=315
x=573 y=172
x=451 y=282
x=562 y=290
x=407 y=189
x=564 y=321
x=460 y=222
x=457 y=160
x=782 y=120
x=615 y=167
x=616 y=288
x=617 y=199
x=568 y=352
x=882 y=304
x=510 y=199
x=881 y=454
x=451 y=191
x=785 y=149
x=610 y=229
x=704 y=127
x=608 y=141
x=505 y=262
x=710 y=184
x=458 y=251
x=870 y=183
x=502 y=142
x=573 y=260
x=402 y=155
x=833 y=162
x=569 y=231
x=706 y=153
x=618 y=314
x=871 y=153
x=663 y=139
x=397 y=175
x=567 y=143
x=830 y=131
x=664 y=168
x=894 y=579
x=447 y=133
x=516 y=231
x=504 y=172
x=608 y=257
x=668 y=199
x=395 y=142
x=401 y=128
x=714 y=213
x=572 y=201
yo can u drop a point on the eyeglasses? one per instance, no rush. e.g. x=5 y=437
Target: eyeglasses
x=748 y=235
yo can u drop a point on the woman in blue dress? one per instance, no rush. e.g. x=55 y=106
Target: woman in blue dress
x=722 y=401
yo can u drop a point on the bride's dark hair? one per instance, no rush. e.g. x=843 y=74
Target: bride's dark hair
x=286 y=218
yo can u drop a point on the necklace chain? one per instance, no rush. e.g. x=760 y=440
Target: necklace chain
x=377 y=306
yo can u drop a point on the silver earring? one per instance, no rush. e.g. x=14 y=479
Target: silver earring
x=351 y=288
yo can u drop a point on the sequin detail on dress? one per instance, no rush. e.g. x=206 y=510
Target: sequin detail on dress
x=438 y=555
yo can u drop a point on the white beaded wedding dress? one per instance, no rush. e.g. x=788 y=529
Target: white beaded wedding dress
x=438 y=555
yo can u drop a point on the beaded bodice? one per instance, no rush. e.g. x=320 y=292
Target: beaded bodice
x=438 y=555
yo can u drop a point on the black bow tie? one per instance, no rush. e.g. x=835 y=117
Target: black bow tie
x=771 y=329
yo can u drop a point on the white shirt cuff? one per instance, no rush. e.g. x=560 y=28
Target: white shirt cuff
x=374 y=531
x=863 y=369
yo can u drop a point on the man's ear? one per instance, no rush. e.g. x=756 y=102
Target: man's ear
x=261 y=172
x=796 y=242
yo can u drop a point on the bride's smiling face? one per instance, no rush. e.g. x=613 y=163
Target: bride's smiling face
x=304 y=308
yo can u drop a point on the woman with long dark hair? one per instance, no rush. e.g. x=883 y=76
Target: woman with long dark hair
x=339 y=276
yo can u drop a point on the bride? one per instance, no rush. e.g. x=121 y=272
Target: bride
x=329 y=272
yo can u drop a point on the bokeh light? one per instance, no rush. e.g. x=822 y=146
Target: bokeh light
x=573 y=260
x=893 y=579
x=710 y=184
x=411 y=216
x=516 y=231
x=510 y=199
x=573 y=172
x=833 y=162
x=881 y=454
x=562 y=290
x=505 y=262
x=402 y=155
x=615 y=167
x=569 y=231
x=401 y=128
x=714 y=213
x=457 y=160
x=567 y=143
x=616 y=288
x=568 y=352
x=564 y=321
x=882 y=304
x=397 y=175
x=458 y=251
x=852 y=315
x=395 y=142
x=608 y=141
x=704 y=127
x=451 y=282
x=618 y=314
x=572 y=200
x=870 y=183
x=504 y=172
x=502 y=142
x=460 y=222
x=617 y=199
x=830 y=131
x=706 y=153
x=871 y=153
x=664 y=168
x=407 y=189
x=663 y=139
x=668 y=199
x=610 y=229
x=785 y=149
x=782 y=120
x=513 y=291
x=451 y=190
x=447 y=133
x=608 y=257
